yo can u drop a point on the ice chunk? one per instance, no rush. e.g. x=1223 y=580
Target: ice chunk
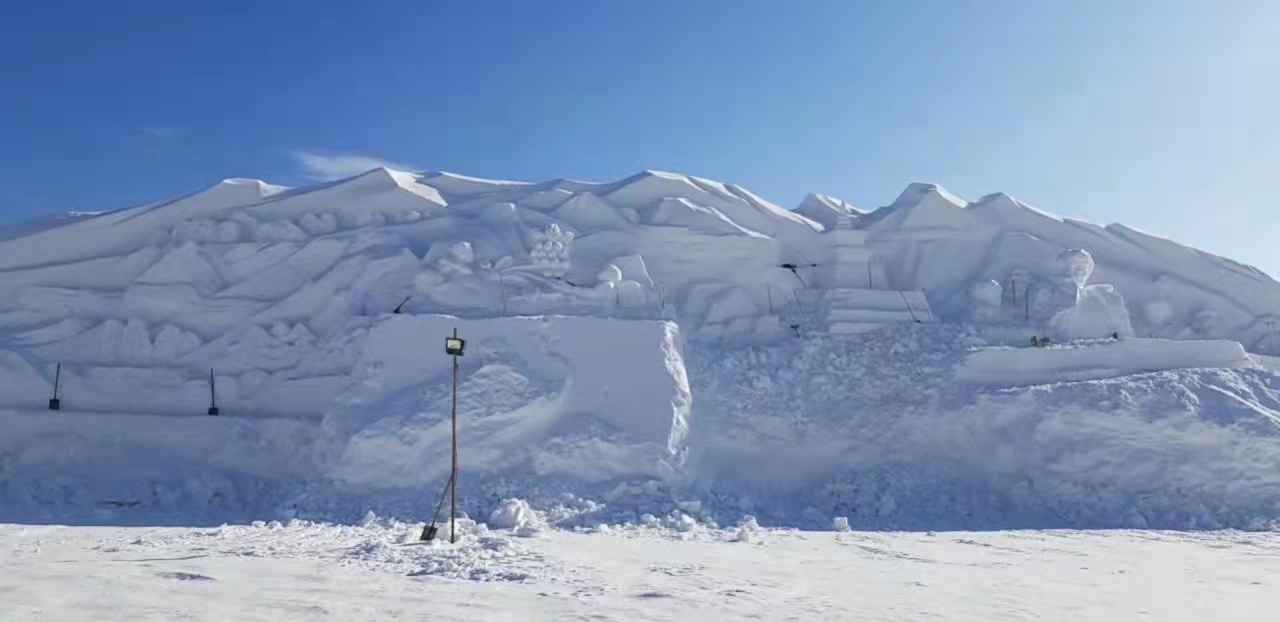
x=515 y=514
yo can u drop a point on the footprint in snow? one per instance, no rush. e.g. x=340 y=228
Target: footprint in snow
x=184 y=576
x=682 y=570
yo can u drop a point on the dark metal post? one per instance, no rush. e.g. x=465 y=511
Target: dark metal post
x=502 y=288
x=907 y=304
x=54 y=402
x=453 y=346
x=213 y=398
x=453 y=488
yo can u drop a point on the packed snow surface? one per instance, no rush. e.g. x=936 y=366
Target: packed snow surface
x=662 y=346
x=305 y=571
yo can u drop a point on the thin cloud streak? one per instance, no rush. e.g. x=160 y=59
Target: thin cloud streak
x=324 y=167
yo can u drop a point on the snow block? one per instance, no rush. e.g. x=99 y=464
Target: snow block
x=1099 y=312
x=589 y=398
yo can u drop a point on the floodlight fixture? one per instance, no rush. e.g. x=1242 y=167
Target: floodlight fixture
x=454 y=346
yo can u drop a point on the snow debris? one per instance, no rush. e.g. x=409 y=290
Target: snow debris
x=749 y=531
x=485 y=558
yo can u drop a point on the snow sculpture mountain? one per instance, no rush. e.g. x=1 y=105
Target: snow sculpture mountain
x=586 y=300
x=826 y=210
x=245 y=246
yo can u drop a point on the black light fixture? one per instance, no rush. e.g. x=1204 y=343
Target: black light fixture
x=453 y=346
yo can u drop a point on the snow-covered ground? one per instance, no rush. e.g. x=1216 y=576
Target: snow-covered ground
x=303 y=571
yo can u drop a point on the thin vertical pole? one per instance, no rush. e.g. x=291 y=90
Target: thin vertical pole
x=1026 y=299
x=54 y=404
x=908 y=306
x=502 y=287
x=213 y=397
x=453 y=488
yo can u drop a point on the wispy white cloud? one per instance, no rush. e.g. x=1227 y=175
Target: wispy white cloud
x=155 y=137
x=162 y=132
x=327 y=167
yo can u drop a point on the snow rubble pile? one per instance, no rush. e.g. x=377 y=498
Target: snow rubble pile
x=663 y=345
x=890 y=433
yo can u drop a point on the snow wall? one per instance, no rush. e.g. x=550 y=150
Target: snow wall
x=75 y=467
x=570 y=401
x=889 y=428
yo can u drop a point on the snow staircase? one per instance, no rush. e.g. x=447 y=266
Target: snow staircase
x=852 y=311
x=799 y=312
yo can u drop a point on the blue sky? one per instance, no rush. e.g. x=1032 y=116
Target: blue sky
x=1160 y=114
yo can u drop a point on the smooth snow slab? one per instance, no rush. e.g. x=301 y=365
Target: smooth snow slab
x=1021 y=366
x=304 y=571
